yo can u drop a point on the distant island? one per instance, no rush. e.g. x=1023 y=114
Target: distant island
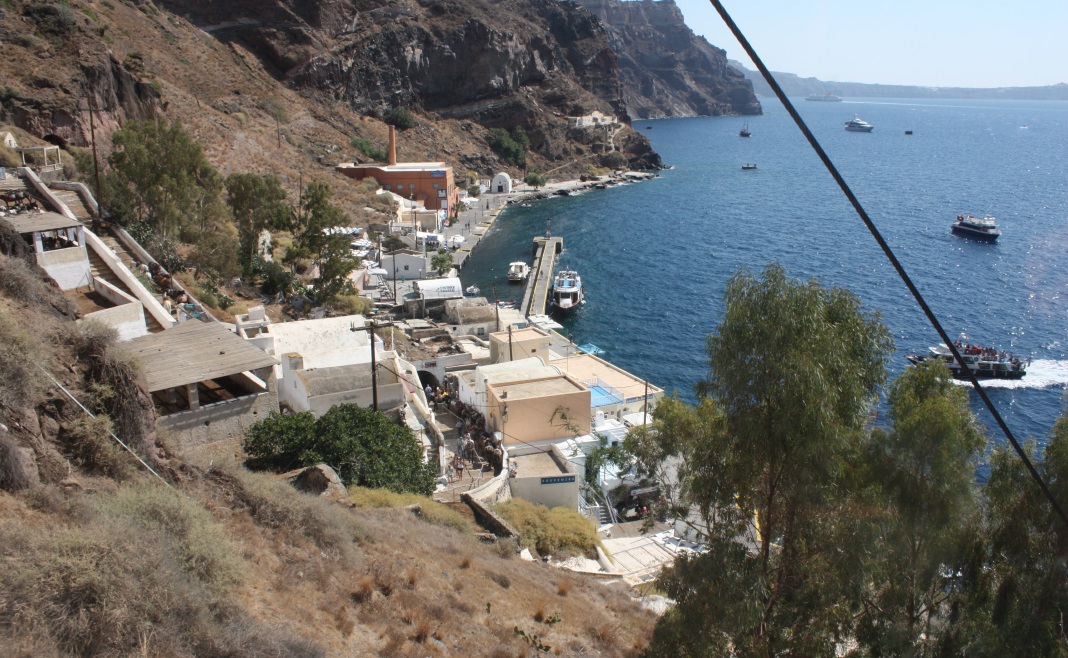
x=795 y=85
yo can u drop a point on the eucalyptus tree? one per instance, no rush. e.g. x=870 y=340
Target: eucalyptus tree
x=924 y=512
x=793 y=370
x=257 y=203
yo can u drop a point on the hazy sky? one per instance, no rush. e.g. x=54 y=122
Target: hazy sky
x=947 y=43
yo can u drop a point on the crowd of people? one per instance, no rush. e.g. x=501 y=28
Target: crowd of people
x=16 y=201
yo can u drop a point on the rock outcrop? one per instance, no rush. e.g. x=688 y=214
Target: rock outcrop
x=666 y=70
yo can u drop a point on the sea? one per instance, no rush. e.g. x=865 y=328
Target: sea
x=655 y=256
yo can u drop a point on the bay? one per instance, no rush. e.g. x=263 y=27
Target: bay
x=655 y=256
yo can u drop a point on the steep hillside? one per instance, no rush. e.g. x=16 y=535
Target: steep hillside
x=665 y=69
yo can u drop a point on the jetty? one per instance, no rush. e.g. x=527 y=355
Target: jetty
x=536 y=295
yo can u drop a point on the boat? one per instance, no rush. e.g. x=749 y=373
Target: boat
x=908 y=132
x=983 y=362
x=567 y=290
x=824 y=98
x=744 y=132
x=749 y=167
x=518 y=271
x=471 y=291
x=858 y=125
x=985 y=229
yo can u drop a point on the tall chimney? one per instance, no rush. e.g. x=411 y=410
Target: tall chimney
x=392 y=146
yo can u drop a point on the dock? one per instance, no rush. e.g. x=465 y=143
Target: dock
x=536 y=294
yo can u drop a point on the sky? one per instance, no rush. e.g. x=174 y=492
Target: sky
x=940 y=43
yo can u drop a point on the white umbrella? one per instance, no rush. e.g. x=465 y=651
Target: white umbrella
x=378 y=270
x=456 y=239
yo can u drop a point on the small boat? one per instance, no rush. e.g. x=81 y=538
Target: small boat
x=471 y=291
x=518 y=272
x=591 y=349
x=984 y=229
x=858 y=125
x=983 y=362
x=908 y=132
x=744 y=132
x=824 y=98
x=749 y=167
x=567 y=290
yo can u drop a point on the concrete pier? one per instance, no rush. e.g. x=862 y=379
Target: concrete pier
x=536 y=295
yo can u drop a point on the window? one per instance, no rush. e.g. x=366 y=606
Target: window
x=435 y=186
x=385 y=187
x=405 y=268
x=411 y=186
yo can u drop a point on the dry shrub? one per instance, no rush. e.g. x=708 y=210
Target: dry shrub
x=433 y=511
x=549 y=531
x=144 y=572
x=365 y=589
x=275 y=504
x=90 y=445
x=506 y=547
x=539 y=614
x=413 y=578
x=563 y=587
x=24 y=282
x=22 y=382
x=343 y=621
x=499 y=578
x=90 y=339
x=465 y=563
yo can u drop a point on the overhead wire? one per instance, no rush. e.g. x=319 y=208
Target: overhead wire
x=887 y=251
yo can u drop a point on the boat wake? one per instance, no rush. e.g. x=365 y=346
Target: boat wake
x=1040 y=374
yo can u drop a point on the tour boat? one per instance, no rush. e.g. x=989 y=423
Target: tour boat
x=985 y=229
x=749 y=167
x=518 y=271
x=744 y=132
x=858 y=125
x=984 y=362
x=567 y=290
x=824 y=98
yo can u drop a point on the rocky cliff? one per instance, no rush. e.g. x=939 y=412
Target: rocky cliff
x=665 y=69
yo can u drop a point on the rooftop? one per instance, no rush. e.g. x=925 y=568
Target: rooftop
x=537 y=388
x=194 y=352
x=584 y=367
x=538 y=464
x=32 y=222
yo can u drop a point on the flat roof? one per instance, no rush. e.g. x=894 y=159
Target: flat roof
x=538 y=464
x=518 y=335
x=537 y=388
x=583 y=367
x=400 y=167
x=340 y=379
x=195 y=352
x=32 y=222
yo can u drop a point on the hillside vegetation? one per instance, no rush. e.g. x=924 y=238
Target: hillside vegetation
x=102 y=558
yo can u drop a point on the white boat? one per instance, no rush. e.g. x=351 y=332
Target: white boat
x=567 y=290
x=471 y=291
x=858 y=125
x=824 y=98
x=985 y=229
x=984 y=362
x=518 y=271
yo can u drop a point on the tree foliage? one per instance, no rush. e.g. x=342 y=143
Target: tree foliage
x=400 y=118
x=257 y=203
x=442 y=261
x=365 y=447
x=535 y=179
x=312 y=241
x=510 y=146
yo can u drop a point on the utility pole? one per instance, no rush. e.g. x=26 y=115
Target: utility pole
x=497 y=307
x=510 y=356
x=370 y=329
x=96 y=161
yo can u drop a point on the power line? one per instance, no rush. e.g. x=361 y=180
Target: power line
x=887 y=251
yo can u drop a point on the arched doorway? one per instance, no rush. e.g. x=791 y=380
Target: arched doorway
x=428 y=379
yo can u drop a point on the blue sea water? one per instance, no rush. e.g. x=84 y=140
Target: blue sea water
x=655 y=256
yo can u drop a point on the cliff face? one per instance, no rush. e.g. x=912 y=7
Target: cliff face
x=664 y=68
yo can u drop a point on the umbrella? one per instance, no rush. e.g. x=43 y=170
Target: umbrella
x=456 y=239
x=378 y=270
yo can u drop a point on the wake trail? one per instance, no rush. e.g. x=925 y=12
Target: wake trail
x=1042 y=373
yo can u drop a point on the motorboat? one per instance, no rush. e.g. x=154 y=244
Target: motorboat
x=749 y=167
x=983 y=362
x=471 y=291
x=984 y=229
x=744 y=132
x=858 y=125
x=824 y=98
x=518 y=272
x=567 y=290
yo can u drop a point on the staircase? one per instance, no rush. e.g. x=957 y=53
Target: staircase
x=99 y=267
x=73 y=200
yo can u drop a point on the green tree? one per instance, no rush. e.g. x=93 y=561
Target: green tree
x=924 y=509
x=793 y=371
x=365 y=447
x=329 y=251
x=442 y=261
x=400 y=118
x=512 y=147
x=158 y=175
x=393 y=243
x=535 y=179
x=257 y=203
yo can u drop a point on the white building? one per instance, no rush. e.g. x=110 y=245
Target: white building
x=501 y=184
x=405 y=265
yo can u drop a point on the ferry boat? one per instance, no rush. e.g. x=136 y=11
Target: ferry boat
x=518 y=272
x=858 y=125
x=985 y=229
x=744 y=132
x=824 y=98
x=567 y=290
x=984 y=362
x=749 y=166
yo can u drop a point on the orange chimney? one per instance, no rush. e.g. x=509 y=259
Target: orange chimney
x=392 y=146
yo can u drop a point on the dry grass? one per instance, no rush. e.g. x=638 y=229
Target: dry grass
x=432 y=511
x=549 y=531
x=90 y=445
x=22 y=383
